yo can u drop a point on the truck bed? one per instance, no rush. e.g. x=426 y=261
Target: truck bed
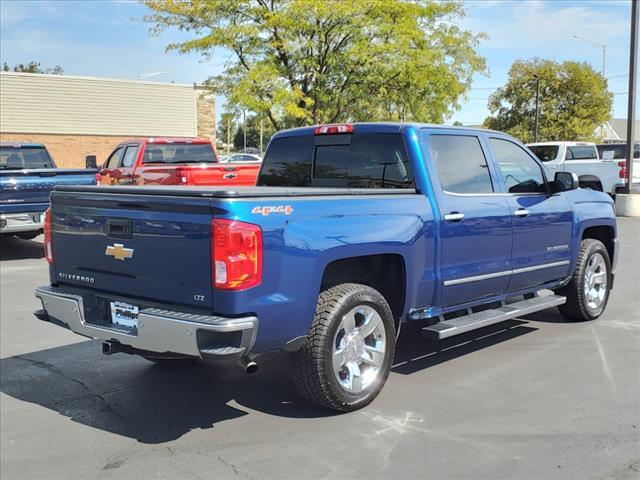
x=240 y=192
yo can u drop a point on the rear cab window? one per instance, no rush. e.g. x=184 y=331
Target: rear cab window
x=582 y=152
x=178 y=153
x=18 y=158
x=461 y=165
x=545 y=153
x=358 y=160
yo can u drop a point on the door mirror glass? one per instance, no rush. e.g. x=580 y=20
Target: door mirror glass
x=564 y=181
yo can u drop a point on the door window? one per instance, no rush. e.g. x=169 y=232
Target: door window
x=130 y=156
x=520 y=172
x=114 y=159
x=461 y=164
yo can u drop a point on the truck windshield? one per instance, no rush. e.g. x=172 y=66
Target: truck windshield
x=18 y=158
x=351 y=161
x=179 y=153
x=546 y=153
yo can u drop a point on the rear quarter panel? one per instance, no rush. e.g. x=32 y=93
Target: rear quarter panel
x=299 y=246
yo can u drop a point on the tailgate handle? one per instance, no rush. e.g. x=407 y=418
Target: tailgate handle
x=119 y=227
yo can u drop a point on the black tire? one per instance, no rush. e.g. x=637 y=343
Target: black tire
x=313 y=371
x=28 y=236
x=577 y=306
x=170 y=361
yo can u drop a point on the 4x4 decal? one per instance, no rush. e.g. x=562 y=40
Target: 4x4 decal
x=266 y=210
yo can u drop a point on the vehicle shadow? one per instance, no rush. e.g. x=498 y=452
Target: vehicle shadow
x=12 y=248
x=130 y=396
x=414 y=352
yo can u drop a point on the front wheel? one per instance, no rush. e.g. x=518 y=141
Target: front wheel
x=588 y=291
x=347 y=356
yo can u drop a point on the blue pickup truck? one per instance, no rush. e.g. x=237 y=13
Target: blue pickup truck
x=27 y=176
x=351 y=231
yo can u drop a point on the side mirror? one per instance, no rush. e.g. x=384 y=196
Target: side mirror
x=91 y=162
x=564 y=181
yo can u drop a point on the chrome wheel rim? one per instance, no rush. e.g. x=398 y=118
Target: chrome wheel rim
x=359 y=349
x=595 y=281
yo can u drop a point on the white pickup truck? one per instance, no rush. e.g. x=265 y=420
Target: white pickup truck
x=582 y=159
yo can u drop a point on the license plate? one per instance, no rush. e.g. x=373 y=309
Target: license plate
x=124 y=315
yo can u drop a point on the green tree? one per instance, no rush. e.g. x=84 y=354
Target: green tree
x=298 y=62
x=33 y=67
x=574 y=100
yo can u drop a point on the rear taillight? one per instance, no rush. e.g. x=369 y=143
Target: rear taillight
x=333 y=129
x=236 y=248
x=623 y=169
x=48 y=251
x=183 y=176
x=98 y=178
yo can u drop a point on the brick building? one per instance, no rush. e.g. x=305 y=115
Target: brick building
x=79 y=116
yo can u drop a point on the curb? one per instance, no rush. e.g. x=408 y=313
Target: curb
x=628 y=205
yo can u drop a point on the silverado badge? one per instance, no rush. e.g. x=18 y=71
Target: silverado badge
x=119 y=252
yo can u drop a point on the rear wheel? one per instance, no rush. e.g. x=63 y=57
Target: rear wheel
x=347 y=356
x=588 y=291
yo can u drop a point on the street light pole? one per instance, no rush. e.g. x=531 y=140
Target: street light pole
x=537 y=123
x=631 y=111
x=597 y=45
x=244 y=128
x=261 y=133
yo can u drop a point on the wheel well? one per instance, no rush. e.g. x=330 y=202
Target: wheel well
x=590 y=181
x=602 y=233
x=385 y=273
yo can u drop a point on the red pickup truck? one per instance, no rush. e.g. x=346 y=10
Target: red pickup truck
x=173 y=161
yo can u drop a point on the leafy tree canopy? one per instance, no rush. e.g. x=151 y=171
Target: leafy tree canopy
x=33 y=67
x=574 y=100
x=309 y=61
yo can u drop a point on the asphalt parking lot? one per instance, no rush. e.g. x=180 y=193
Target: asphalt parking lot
x=536 y=397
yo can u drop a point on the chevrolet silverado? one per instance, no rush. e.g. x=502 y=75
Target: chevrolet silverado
x=352 y=231
x=27 y=176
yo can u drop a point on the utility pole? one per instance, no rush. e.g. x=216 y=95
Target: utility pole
x=631 y=111
x=537 y=121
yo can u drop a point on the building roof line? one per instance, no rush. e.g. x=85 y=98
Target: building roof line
x=99 y=79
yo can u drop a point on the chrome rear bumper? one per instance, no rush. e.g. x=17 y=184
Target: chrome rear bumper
x=21 y=222
x=159 y=330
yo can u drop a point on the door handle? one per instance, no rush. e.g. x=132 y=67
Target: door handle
x=230 y=175
x=454 y=217
x=521 y=212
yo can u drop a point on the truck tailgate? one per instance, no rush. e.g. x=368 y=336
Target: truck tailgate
x=32 y=186
x=149 y=247
x=219 y=174
x=238 y=174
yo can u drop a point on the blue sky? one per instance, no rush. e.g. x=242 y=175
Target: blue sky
x=110 y=39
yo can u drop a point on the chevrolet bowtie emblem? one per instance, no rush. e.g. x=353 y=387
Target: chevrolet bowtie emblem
x=119 y=252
